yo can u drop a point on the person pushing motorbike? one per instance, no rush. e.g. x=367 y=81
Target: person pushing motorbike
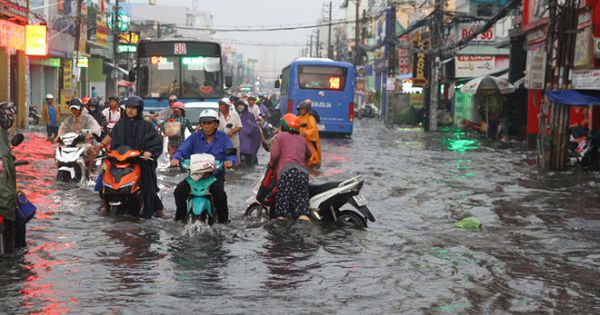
x=310 y=132
x=137 y=133
x=289 y=154
x=211 y=141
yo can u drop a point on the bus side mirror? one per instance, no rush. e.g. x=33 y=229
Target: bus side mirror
x=277 y=84
x=228 y=81
x=131 y=76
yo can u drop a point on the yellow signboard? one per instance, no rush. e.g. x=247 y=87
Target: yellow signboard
x=36 y=40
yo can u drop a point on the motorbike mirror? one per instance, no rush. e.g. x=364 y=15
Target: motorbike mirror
x=232 y=151
x=229 y=126
x=131 y=75
x=17 y=139
x=303 y=125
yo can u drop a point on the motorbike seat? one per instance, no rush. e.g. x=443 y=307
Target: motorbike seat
x=314 y=190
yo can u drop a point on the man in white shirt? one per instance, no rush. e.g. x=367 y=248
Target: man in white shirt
x=112 y=112
x=230 y=123
x=253 y=108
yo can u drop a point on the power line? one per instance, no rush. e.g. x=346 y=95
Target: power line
x=266 y=29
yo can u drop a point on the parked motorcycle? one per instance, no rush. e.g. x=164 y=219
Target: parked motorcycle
x=34 y=117
x=71 y=164
x=121 y=189
x=325 y=203
x=12 y=234
x=584 y=148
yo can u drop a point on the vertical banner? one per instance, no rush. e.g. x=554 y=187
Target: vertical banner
x=420 y=60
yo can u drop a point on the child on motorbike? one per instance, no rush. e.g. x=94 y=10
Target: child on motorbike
x=289 y=154
x=211 y=141
x=174 y=127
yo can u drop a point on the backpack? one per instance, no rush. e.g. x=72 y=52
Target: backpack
x=315 y=115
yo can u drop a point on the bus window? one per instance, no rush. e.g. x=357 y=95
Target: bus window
x=285 y=81
x=201 y=77
x=322 y=78
x=161 y=75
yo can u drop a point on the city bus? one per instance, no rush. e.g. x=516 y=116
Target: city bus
x=190 y=69
x=330 y=86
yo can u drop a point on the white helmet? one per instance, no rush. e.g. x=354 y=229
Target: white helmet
x=208 y=115
x=49 y=96
x=225 y=101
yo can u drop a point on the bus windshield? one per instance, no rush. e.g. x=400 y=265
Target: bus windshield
x=186 y=77
x=322 y=77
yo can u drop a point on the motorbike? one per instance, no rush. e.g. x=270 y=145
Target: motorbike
x=584 y=148
x=12 y=235
x=200 y=203
x=121 y=189
x=33 y=117
x=366 y=111
x=71 y=164
x=325 y=203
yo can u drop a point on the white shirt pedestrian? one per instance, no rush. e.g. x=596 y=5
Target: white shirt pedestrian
x=234 y=119
x=111 y=116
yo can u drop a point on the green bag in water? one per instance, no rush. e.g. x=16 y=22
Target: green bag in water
x=471 y=223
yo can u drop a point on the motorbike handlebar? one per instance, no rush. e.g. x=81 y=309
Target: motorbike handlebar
x=20 y=163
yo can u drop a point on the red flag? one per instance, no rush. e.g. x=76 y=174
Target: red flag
x=102 y=8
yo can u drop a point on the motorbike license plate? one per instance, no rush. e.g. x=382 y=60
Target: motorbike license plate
x=321 y=127
x=360 y=200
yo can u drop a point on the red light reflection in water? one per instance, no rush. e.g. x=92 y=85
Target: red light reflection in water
x=36 y=180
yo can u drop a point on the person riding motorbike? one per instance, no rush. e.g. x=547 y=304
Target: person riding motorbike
x=211 y=141
x=77 y=123
x=93 y=107
x=13 y=236
x=289 y=154
x=112 y=113
x=139 y=134
x=310 y=132
x=165 y=113
x=174 y=127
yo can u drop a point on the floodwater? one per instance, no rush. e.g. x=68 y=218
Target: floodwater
x=536 y=253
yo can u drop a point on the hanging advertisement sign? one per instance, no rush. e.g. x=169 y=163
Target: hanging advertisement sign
x=403 y=62
x=474 y=66
x=535 y=13
x=36 y=40
x=586 y=79
x=467 y=29
x=583 y=49
x=67 y=74
x=420 y=61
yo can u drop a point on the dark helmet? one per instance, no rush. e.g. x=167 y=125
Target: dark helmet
x=135 y=101
x=93 y=102
x=7 y=114
x=305 y=104
x=76 y=103
x=114 y=97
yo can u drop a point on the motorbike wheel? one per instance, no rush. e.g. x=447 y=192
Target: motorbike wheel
x=350 y=219
x=258 y=213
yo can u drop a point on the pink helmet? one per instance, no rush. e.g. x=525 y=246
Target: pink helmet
x=178 y=105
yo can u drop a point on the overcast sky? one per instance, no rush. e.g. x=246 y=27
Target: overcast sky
x=263 y=12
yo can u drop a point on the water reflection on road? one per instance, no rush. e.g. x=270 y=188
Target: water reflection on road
x=536 y=253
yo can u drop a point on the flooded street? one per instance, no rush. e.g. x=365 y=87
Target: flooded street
x=537 y=252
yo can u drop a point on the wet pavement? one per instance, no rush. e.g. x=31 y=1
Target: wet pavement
x=537 y=252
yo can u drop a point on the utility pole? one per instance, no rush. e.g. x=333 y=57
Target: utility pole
x=356 y=33
x=116 y=44
x=318 y=46
x=434 y=87
x=311 y=46
x=329 y=47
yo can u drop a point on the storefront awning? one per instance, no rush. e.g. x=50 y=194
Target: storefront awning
x=574 y=97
